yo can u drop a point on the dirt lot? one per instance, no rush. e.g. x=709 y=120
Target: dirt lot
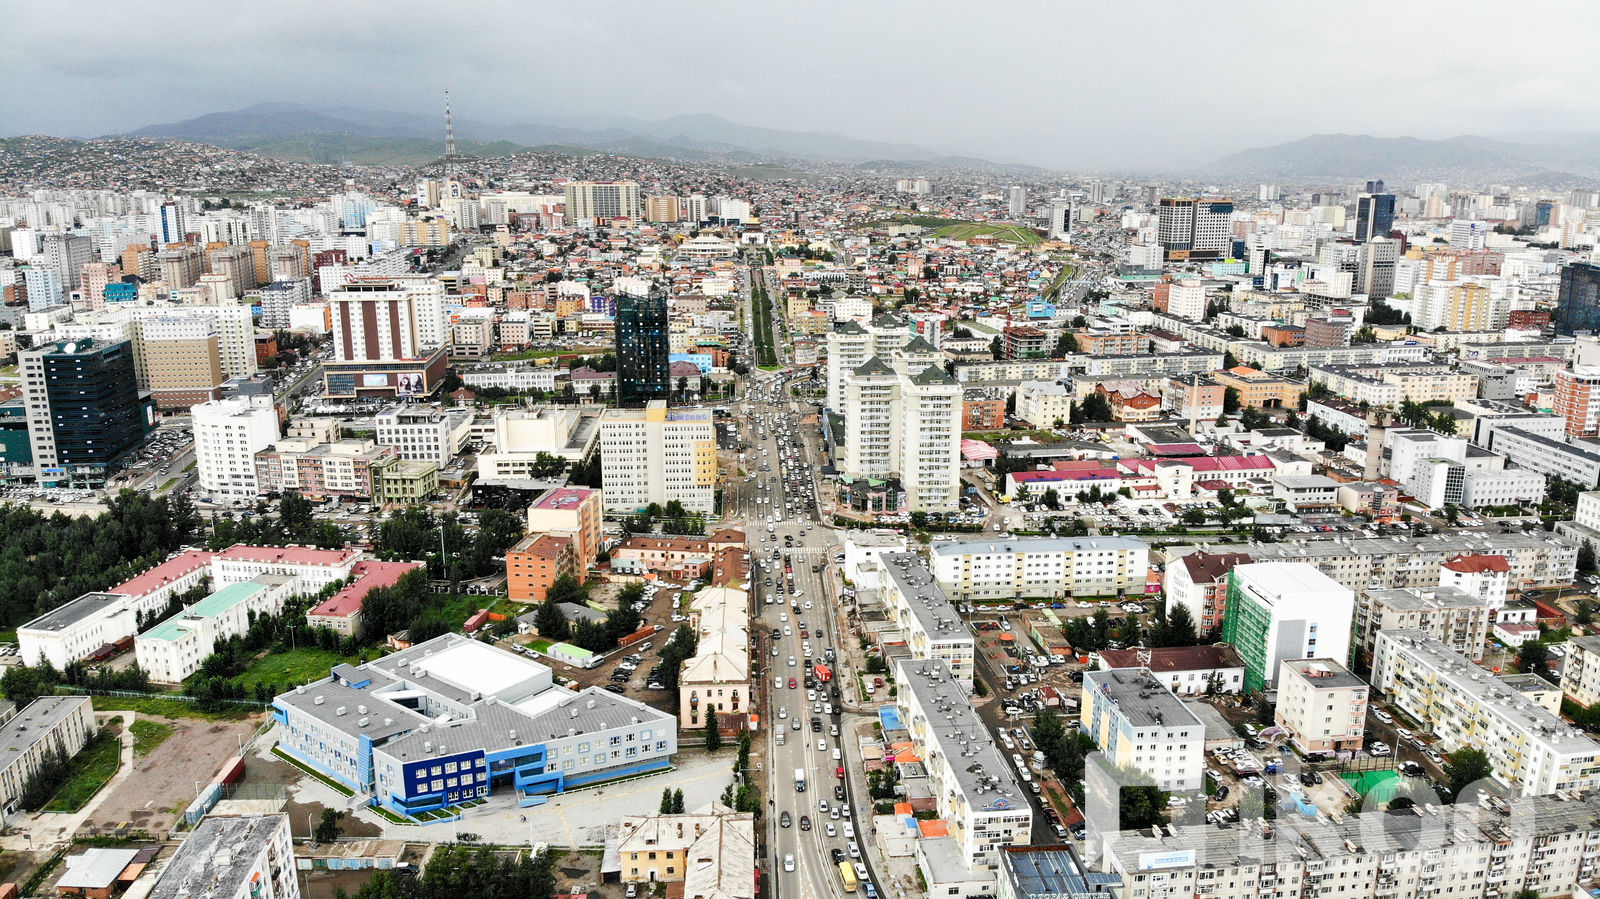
x=164 y=782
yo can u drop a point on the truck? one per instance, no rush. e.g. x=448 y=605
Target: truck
x=799 y=780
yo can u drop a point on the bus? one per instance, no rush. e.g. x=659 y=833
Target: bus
x=847 y=875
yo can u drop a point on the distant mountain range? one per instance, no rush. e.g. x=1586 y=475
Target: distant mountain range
x=1549 y=158
x=291 y=131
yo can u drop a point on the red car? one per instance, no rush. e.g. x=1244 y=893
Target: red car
x=805 y=634
x=839 y=772
x=792 y=683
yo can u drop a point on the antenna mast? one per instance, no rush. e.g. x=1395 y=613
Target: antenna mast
x=449 y=138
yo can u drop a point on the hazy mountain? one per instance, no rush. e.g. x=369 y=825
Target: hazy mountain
x=1551 y=158
x=288 y=130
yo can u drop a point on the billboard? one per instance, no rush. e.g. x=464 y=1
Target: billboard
x=1182 y=858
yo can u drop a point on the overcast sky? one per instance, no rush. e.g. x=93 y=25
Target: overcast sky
x=1111 y=83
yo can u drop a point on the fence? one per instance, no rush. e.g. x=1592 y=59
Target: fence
x=72 y=690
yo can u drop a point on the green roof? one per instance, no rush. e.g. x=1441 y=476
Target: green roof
x=933 y=375
x=873 y=366
x=210 y=607
x=570 y=651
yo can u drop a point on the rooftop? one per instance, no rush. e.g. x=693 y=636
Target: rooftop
x=1140 y=699
x=288 y=555
x=172 y=569
x=1167 y=659
x=563 y=498
x=369 y=575
x=980 y=769
x=218 y=857
x=33 y=723
x=1039 y=545
x=215 y=604
x=927 y=602
x=85 y=606
x=1323 y=674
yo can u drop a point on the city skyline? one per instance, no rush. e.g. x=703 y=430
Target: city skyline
x=81 y=80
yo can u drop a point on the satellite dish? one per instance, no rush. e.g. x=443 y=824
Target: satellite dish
x=70 y=348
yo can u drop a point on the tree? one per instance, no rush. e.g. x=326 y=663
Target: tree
x=677 y=801
x=1066 y=344
x=1533 y=657
x=1586 y=560
x=328 y=828
x=919 y=519
x=666 y=800
x=551 y=624
x=1230 y=400
x=995 y=349
x=1194 y=516
x=1464 y=767
x=1141 y=807
x=1229 y=360
x=1094 y=408
x=713 y=733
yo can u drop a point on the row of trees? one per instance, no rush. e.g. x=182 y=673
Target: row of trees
x=294 y=523
x=46 y=561
x=595 y=636
x=455 y=871
x=673 y=518
x=415 y=533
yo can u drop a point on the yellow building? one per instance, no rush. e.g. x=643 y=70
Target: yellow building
x=1261 y=389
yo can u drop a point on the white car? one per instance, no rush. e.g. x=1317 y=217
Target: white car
x=788 y=861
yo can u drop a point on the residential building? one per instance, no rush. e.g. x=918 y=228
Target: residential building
x=599 y=201
x=712 y=852
x=175 y=648
x=677 y=558
x=1321 y=705
x=1041 y=567
x=1050 y=872
x=227 y=857
x=1285 y=610
x=1577 y=463
x=422 y=729
x=85 y=413
x=656 y=455
x=573 y=512
x=378 y=350
x=849 y=348
x=535 y=563
x=1580 y=673
x=662 y=210
x=407 y=483
x=1577 y=399
x=974 y=786
x=1451 y=616
x=1198 y=581
x=927 y=620
x=718 y=677
x=182 y=361
x=424 y=433
x=227 y=436
x=642 y=349
x=1545 y=844
x=1484 y=576
x=1185 y=670
x=1532 y=751
x=29 y=738
x=1144 y=727
x=1260 y=389
x=315 y=470
x=1306 y=493
x=1043 y=403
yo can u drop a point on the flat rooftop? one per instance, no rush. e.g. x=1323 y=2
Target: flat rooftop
x=1038 y=545
x=33 y=723
x=1324 y=673
x=983 y=772
x=218 y=858
x=1140 y=698
x=932 y=608
x=86 y=606
x=215 y=604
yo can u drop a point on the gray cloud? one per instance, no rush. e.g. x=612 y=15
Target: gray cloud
x=1136 y=84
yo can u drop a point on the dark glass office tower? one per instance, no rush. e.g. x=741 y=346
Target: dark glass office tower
x=95 y=414
x=1374 y=216
x=642 y=350
x=1578 y=302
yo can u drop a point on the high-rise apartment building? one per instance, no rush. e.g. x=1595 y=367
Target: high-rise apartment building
x=92 y=281
x=643 y=350
x=67 y=254
x=227 y=435
x=662 y=210
x=378 y=350
x=1577 y=399
x=602 y=200
x=1017 y=201
x=181 y=266
x=85 y=413
x=1578 y=299
x=1058 y=217
x=1188 y=228
x=226 y=857
x=1374 y=216
x=849 y=348
x=173 y=229
x=904 y=421
x=656 y=455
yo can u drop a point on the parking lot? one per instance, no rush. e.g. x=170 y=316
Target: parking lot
x=628 y=670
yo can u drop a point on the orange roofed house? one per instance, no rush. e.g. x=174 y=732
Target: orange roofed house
x=536 y=562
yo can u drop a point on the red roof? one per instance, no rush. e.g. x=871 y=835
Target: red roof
x=292 y=555
x=1175 y=449
x=564 y=498
x=1028 y=477
x=1478 y=564
x=163 y=574
x=369 y=575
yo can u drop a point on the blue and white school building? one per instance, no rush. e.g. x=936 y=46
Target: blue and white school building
x=453 y=720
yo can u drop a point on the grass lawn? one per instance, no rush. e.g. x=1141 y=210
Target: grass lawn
x=88 y=772
x=170 y=708
x=1000 y=231
x=294 y=667
x=147 y=735
x=540 y=645
x=1010 y=435
x=458 y=607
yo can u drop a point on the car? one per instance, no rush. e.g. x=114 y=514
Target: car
x=796 y=724
x=616 y=688
x=849 y=831
x=830 y=830
x=836 y=812
x=788 y=857
x=784 y=820
x=822 y=745
x=1405 y=733
x=632 y=891
x=853 y=850
x=1383 y=716
x=837 y=855
x=783 y=711
x=805 y=822
x=1221 y=794
x=793 y=684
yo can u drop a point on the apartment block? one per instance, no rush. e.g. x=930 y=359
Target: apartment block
x=1321 y=705
x=975 y=787
x=424 y=433
x=227 y=436
x=228 y=857
x=928 y=621
x=349 y=468
x=1533 y=751
x=1580 y=674
x=1142 y=726
x=175 y=648
x=573 y=512
x=32 y=734
x=1041 y=567
x=1457 y=619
